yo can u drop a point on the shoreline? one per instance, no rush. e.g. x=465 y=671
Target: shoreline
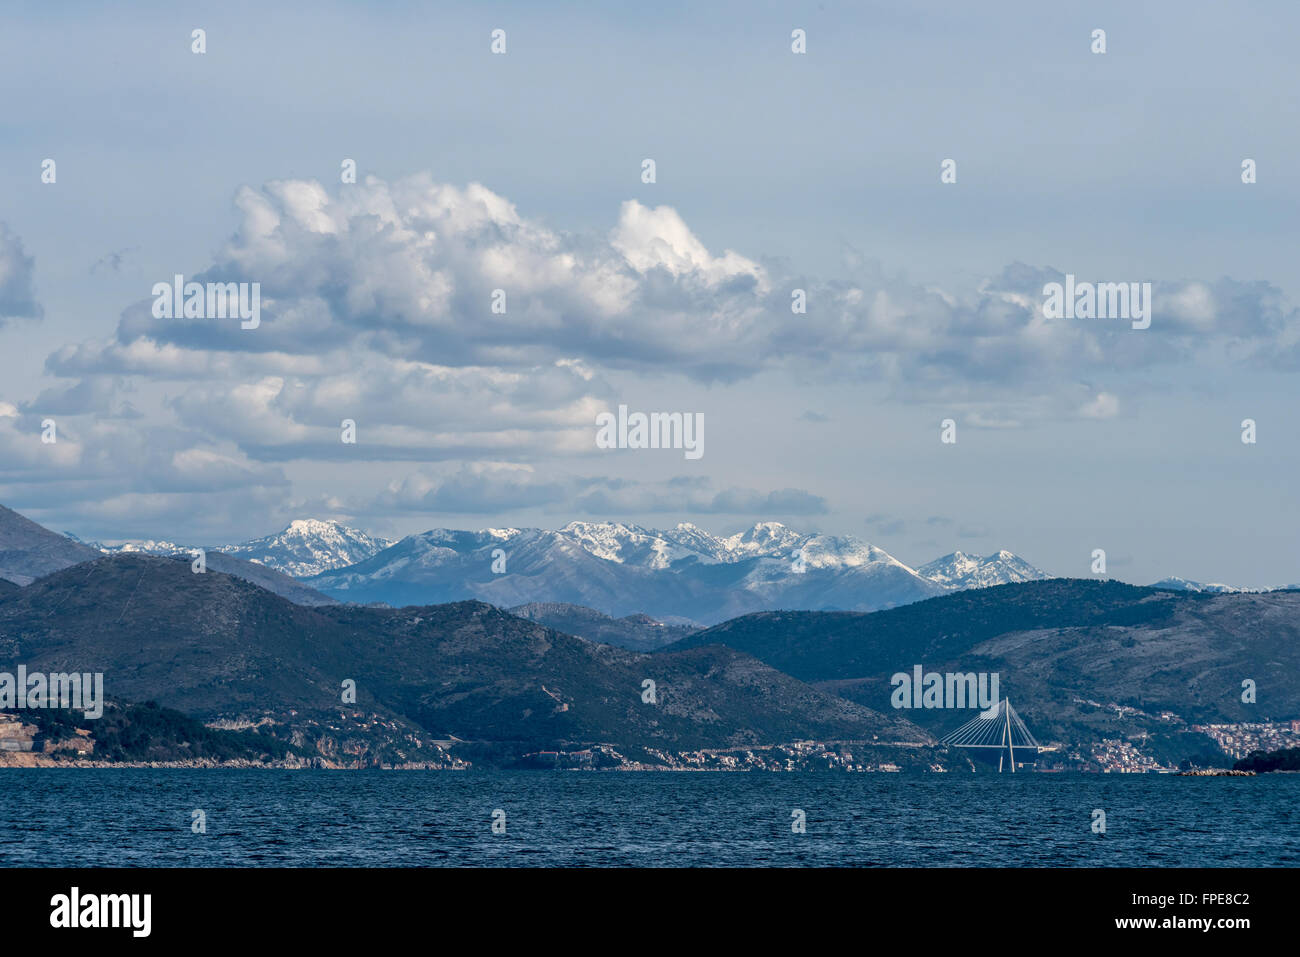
x=321 y=765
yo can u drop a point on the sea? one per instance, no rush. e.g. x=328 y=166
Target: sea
x=132 y=817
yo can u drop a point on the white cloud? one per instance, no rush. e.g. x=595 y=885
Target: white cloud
x=1104 y=405
x=659 y=238
x=377 y=308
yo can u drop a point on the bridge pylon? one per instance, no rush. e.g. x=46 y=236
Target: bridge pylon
x=998 y=731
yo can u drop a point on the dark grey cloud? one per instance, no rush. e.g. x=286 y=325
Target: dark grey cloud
x=475 y=490
x=17 y=288
x=100 y=395
x=881 y=524
x=501 y=488
x=112 y=261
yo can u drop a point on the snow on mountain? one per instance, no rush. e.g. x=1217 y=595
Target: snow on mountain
x=766 y=539
x=145 y=547
x=309 y=547
x=304 y=548
x=618 y=568
x=960 y=570
x=1211 y=588
x=41 y=551
x=506 y=567
x=622 y=569
x=843 y=551
x=695 y=540
x=634 y=545
x=650 y=548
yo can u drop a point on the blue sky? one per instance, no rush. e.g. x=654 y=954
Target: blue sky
x=774 y=171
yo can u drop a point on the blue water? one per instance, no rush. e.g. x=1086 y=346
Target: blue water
x=137 y=817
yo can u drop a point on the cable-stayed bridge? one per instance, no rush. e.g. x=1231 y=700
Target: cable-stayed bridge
x=997 y=732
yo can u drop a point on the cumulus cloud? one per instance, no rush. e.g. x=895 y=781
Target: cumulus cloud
x=402 y=410
x=409 y=271
x=377 y=306
x=658 y=238
x=103 y=457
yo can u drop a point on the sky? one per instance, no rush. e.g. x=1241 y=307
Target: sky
x=775 y=171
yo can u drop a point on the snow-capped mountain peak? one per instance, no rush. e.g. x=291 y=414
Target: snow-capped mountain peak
x=768 y=539
x=843 y=551
x=634 y=545
x=308 y=547
x=960 y=570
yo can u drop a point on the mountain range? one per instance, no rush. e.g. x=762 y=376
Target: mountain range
x=1085 y=660
x=220 y=648
x=304 y=548
x=683 y=575
x=1068 y=651
x=262 y=575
